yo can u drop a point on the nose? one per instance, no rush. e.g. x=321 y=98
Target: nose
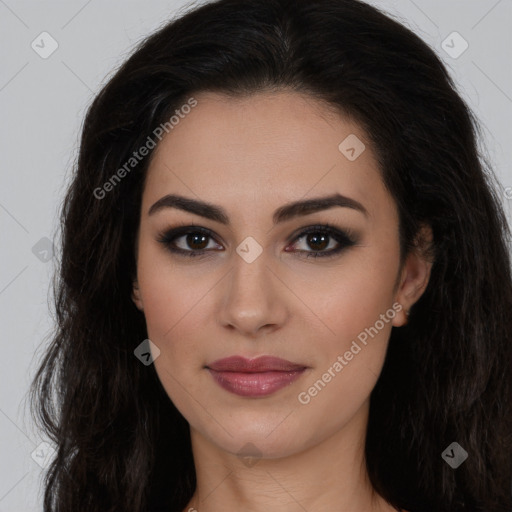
x=255 y=301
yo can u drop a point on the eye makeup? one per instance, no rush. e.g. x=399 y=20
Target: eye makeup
x=316 y=234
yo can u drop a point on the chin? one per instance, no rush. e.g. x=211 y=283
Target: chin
x=257 y=436
x=261 y=447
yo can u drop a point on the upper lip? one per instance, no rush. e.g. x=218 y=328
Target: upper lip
x=259 y=364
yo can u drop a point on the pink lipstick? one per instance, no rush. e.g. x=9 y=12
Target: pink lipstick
x=254 y=377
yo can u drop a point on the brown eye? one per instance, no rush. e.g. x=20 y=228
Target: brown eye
x=196 y=241
x=187 y=240
x=317 y=242
x=319 y=238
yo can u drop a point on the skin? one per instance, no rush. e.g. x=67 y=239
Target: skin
x=250 y=156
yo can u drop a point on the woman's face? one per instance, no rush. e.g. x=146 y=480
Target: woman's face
x=252 y=287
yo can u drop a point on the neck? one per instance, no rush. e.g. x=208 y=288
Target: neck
x=330 y=475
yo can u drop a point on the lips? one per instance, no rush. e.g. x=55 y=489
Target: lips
x=260 y=364
x=254 y=378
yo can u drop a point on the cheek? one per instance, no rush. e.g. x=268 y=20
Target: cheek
x=345 y=299
x=349 y=358
x=173 y=308
x=171 y=302
x=166 y=291
x=353 y=310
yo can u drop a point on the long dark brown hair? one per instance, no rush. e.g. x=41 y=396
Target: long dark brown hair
x=121 y=443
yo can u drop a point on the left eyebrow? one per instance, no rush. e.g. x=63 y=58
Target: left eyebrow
x=283 y=213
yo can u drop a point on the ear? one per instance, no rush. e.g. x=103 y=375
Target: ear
x=136 y=295
x=415 y=274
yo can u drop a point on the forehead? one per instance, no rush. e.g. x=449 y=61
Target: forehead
x=264 y=149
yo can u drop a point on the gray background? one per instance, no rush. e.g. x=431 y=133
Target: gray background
x=42 y=103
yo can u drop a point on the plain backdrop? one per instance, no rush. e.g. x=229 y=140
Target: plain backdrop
x=42 y=103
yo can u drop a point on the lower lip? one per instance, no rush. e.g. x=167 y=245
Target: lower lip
x=255 y=384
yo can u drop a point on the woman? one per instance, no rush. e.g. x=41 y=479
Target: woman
x=285 y=279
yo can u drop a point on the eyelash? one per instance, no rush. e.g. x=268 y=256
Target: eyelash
x=344 y=238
